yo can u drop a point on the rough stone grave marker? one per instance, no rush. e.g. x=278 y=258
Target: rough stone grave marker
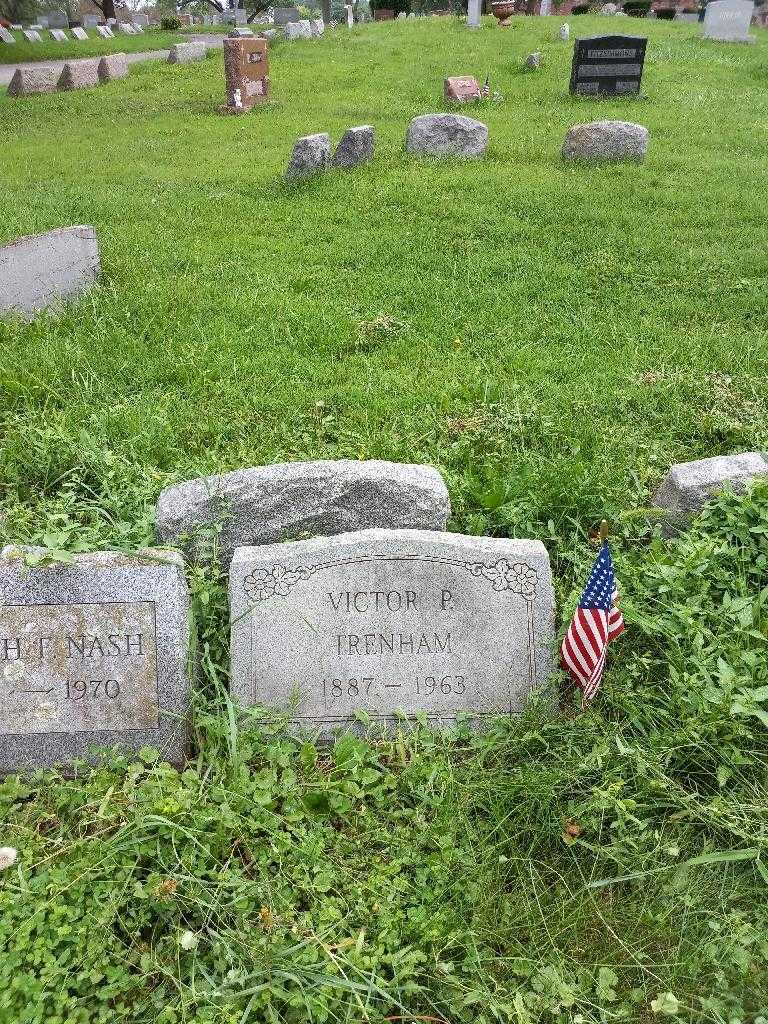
x=92 y=653
x=383 y=621
x=37 y=271
x=607 y=65
x=728 y=21
x=246 y=69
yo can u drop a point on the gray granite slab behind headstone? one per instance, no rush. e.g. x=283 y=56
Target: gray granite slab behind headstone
x=728 y=21
x=38 y=270
x=269 y=504
x=92 y=653
x=184 y=53
x=383 y=621
x=688 y=485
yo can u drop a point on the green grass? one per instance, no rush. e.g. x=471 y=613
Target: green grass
x=95 y=46
x=552 y=338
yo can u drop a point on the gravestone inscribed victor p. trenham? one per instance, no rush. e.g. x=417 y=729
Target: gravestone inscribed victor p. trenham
x=383 y=621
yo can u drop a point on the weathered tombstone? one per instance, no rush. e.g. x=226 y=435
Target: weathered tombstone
x=137 y=29
x=246 y=70
x=533 y=61
x=728 y=21
x=56 y=19
x=355 y=148
x=79 y=74
x=184 y=53
x=59 y=35
x=688 y=485
x=383 y=621
x=446 y=135
x=474 y=10
x=90 y=21
x=270 y=504
x=32 y=35
x=112 y=67
x=565 y=32
x=461 y=89
x=80 y=33
x=38 y=270
x=26 y=81
x=92 y=653
x=284 y=15
x=127 y=28
x=545 y=8
x=140 y=20
x=317 y=27
x=350 y=15
x=606 y=140
x=607 y=65
x=6 y=36
x=105 y=31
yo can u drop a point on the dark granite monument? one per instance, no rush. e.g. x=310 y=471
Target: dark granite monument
x=607 y=65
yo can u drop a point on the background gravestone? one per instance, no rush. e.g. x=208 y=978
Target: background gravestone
x=607 y=65
x=689 y=485
x=728 y=21
x=92 y=652
x=79 y=33
x=391 y=620
x=38 y=270
x=6 y=36
x=246 y=70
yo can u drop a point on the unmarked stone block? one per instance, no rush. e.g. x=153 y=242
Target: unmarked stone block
x=281 y=502
x=298 y=30
x=606 y=140
x=80 y=74
x=112 y=67
x=38 y=270
x=93 y=652
x=317 y=28
x=184 y=53
x=533 y=61
x=391 y=620
x=355 y=148
x=30 y=81
x=311 y=155
x=688 y=485
x=446 y=135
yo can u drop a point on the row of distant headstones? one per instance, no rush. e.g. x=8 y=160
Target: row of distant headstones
x=32 y=34
x=396 y=614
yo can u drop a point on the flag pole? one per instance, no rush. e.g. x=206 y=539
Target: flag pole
x=604 y=530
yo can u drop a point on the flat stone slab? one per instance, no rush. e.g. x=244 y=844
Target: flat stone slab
x=59 y=35
x=92 y=653
x=606 y=140
x=36 y=271
x=32 y=35
x=30 y=81
x=311 y=155
x=446 y=135
x=112 y=67
x=688 y=485
x=388 y=621
x=79 y=33
x=80 y=74
x=184 y=53
x=6 y=36
x=355 y=148
x=269 y=504
x=105 y=31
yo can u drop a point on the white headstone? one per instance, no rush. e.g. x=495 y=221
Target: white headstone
x=565 y=32
x=350 y=15
x=32 y=35
x=59 y=35
x=5 y=35
x=105 y=31
x=79 y=33
x=382 y=621
x=728 y=21
x=545 y=8
x=473 y=13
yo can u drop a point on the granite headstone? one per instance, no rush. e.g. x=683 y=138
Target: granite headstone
x=607 y=65
x=728 y=21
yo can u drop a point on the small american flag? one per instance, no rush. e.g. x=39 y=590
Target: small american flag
x=595 y=623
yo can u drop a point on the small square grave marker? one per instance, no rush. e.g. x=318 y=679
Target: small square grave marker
x=461 y=89
x=607 y=65
x=105 y=31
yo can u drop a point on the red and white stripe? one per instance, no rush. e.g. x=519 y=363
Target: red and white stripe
x=586 y=643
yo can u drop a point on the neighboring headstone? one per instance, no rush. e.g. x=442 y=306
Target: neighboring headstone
x=609 y=9
x=532 y=61
x=565 y=32
x=269 y=34
x=388 y=621
x=112 y=67
x=311 y=155
x=137 y=29
x=56 y=19
x=92 y=653
x=38 y=270
x=607 y=65
x=728 y=21
x=140 y=20
x=59 y=35
x=316 y=28
x=606 y=140
x=474 y=11
x=30 y=81
x=241 y=32
x=246 y=70
x=271 y=504
x=105 y=31
x=32 y=35
x=298 y=30
x=284 y=15
x=80 y=33
x=127 y=28
x=461 y=89
x=79 y=74
x=545 y=8
x=184 y=53
x=355 y=148
x=446 y=135
x=350 y=15
x=6 y=36
x=90 y=21
x=688 y=485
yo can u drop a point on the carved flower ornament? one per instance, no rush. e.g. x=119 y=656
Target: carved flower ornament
x=263 y=583
x=505 y=575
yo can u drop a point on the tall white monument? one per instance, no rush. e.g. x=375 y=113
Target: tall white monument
x=473 y=13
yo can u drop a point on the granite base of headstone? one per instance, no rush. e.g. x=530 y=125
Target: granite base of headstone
x=93 y=653
x=38 y=271
x=384 y=624
x=689 y=485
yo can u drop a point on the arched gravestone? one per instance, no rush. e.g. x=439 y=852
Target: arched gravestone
x=728 y=21
x=607 y=65
x=383 y=621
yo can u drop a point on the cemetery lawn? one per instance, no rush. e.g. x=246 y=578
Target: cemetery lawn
x=552 y=338
x=24 y=52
